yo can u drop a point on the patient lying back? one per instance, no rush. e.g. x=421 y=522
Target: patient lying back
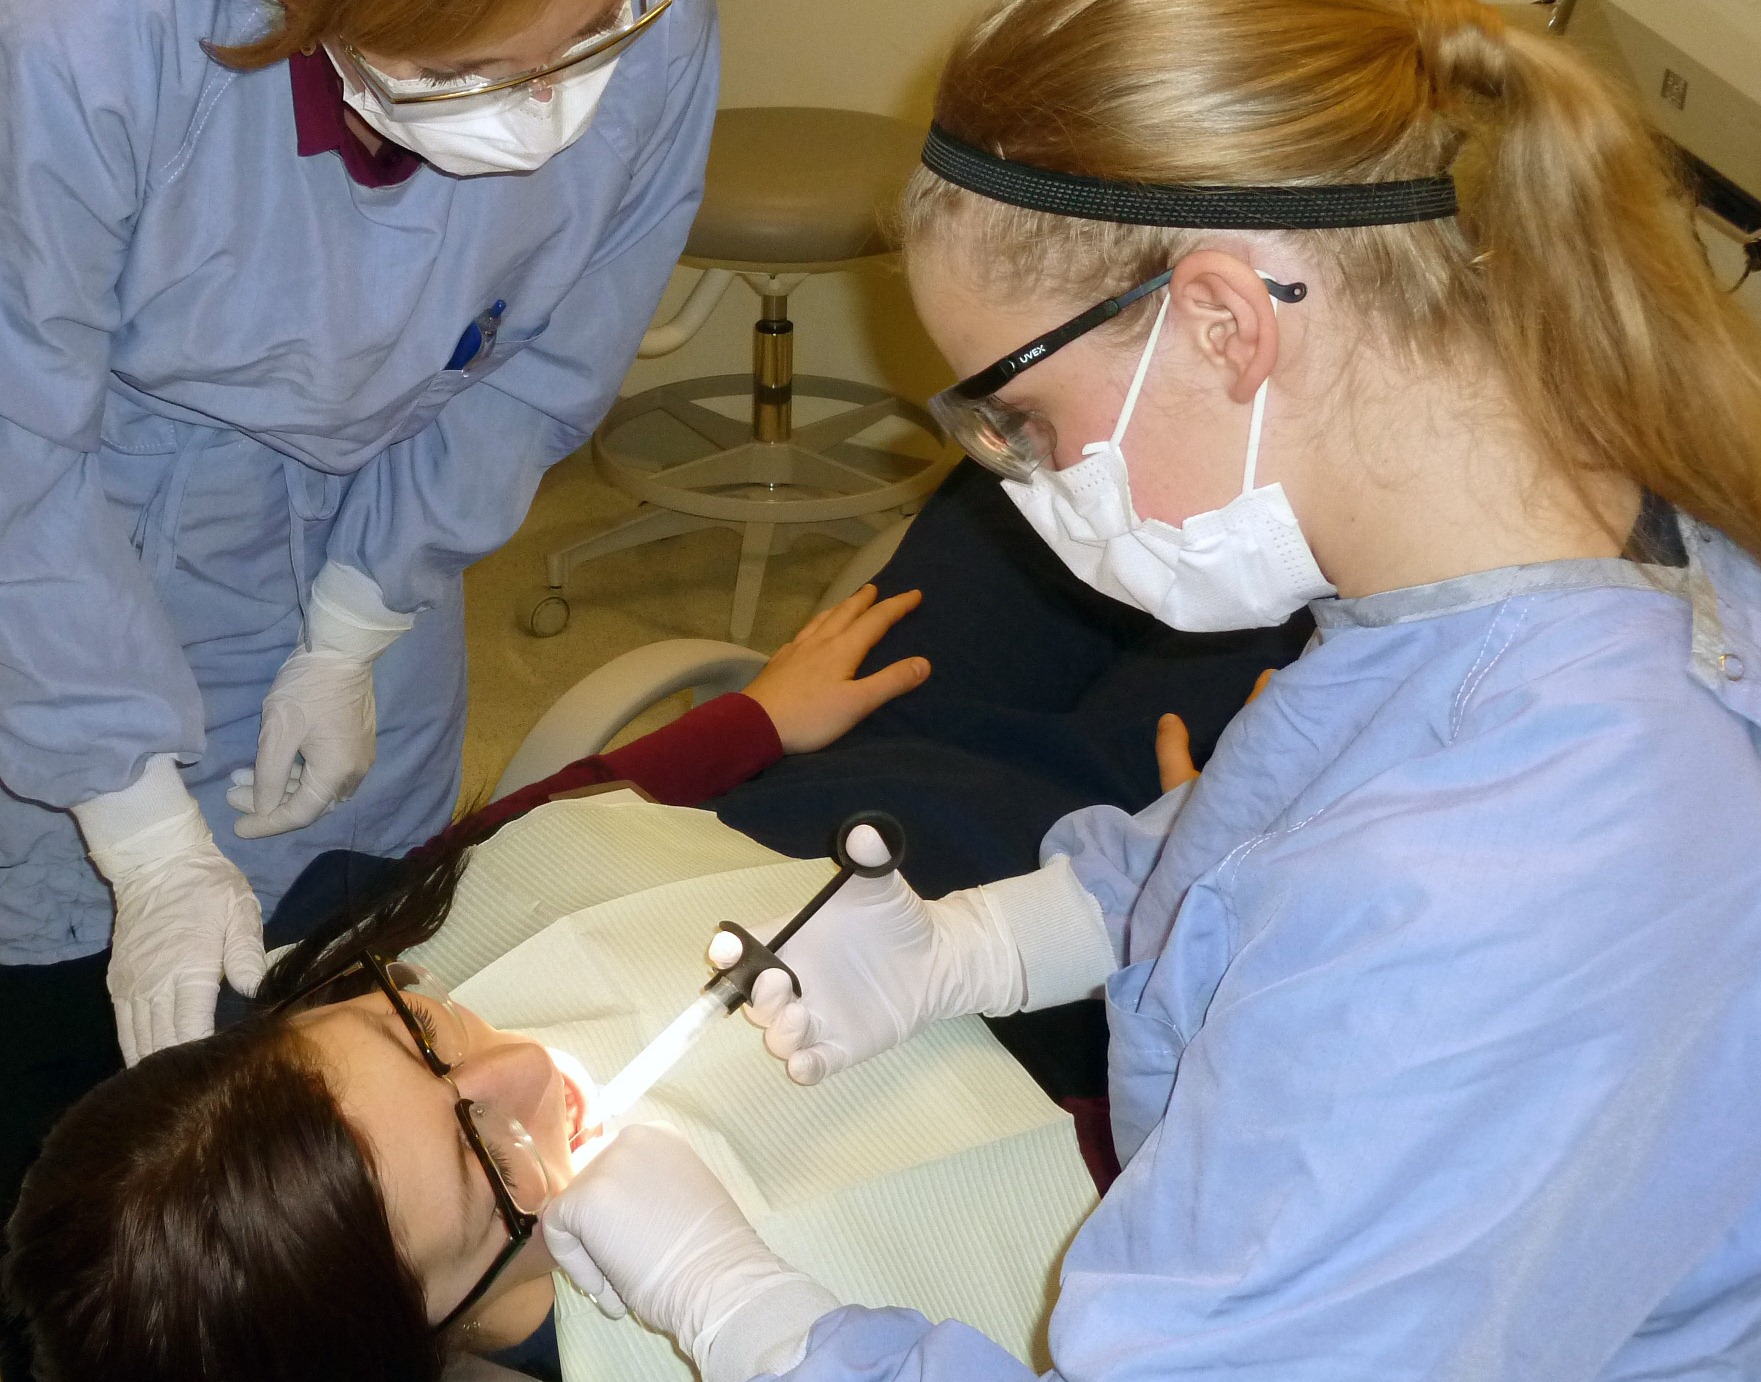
x=298 y=1196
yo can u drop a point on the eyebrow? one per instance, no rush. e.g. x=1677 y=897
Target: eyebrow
x=607 y=21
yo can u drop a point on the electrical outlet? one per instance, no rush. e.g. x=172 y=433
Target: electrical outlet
x=1675 y=89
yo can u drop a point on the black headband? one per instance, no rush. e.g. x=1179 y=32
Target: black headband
x=1189 y=207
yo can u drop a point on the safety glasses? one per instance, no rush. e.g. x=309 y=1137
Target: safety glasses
x=1015 y=442
x=502 y=1147
x=624 y=25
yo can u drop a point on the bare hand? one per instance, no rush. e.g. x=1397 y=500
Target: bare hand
x=808 y=687
x=1174 y=744
x=1174 y=752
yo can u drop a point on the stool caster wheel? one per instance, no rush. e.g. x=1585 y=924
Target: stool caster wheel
x=548 y=618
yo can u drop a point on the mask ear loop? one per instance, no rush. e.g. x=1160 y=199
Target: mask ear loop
x=1257 y=425
x=1143 y=369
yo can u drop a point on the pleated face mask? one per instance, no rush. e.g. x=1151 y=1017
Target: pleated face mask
x=1243 y=566
x=512 y=131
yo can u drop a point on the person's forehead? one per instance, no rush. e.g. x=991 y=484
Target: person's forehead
x=547 y=28
x=554 y=22
x=406 y=1116
x=968 y=322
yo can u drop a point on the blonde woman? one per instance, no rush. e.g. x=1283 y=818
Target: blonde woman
x=1434 y=1004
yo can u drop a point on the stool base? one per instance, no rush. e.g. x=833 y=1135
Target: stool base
x=694 y=468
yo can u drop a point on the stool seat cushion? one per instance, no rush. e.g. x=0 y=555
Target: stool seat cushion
x=794 y=187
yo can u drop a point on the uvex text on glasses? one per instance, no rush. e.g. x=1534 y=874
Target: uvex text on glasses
x=1014 y=442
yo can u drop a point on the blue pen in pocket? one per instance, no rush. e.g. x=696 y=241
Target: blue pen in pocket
x=479 y=338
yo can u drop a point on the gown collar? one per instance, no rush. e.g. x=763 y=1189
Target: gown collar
x=321 y=129
x=1480 y=588
x=1725 y=656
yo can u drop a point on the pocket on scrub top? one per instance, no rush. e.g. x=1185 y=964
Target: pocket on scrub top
x=144 y=462
x=132 y=430
x=1143 y=1052
x=448 y=382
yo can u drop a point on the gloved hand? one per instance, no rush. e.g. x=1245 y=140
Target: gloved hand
x=319 y=708
x=184 y=913
x=878 y=964
x=646 y=1221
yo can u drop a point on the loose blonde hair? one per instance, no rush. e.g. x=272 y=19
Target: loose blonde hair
x=1573 y=266
x=386 y=28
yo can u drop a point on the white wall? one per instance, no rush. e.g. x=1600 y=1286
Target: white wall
x=875 y=55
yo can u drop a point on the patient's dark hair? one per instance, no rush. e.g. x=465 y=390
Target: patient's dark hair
x=210 y=1216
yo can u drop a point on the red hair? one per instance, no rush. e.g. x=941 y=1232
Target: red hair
x=385 y=28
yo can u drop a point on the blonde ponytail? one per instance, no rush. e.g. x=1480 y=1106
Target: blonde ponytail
x=1573 y=265
x=1623 y=352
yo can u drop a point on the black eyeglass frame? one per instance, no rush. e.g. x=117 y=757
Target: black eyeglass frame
x=993 y=377
x=519 y=1223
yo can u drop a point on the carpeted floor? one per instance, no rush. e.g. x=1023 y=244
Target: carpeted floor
x=680 y=588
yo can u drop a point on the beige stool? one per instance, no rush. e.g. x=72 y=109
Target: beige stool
x=790 y=192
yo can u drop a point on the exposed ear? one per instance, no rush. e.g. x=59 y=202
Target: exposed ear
x=1225 y=307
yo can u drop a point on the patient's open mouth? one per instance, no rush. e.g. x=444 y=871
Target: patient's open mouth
x=576 y=1094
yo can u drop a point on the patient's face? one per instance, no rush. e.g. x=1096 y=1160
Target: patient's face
x=442 y=1209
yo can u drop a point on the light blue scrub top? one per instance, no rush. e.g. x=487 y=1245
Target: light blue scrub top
x=1436 y=1048
x=222 y=364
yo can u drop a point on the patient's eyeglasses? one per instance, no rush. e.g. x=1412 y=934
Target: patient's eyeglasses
x=1015 y=442
x=626 y=23
x=503 y=1148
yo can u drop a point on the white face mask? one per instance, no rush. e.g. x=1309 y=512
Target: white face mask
x=1243 y=566
x=508 y=131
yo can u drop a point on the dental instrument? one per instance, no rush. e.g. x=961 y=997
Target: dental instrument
x=873 y=855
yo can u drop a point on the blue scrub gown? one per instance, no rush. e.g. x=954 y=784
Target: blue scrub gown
x=1436 y=1040
x=222 y=364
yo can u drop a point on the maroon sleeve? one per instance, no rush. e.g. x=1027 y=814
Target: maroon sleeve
x=1094 y=1137
x=700 y=755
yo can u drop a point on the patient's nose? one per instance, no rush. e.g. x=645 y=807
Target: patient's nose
x=511 y=1077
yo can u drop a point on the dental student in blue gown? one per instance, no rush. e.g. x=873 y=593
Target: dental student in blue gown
x=1435 y=1004
x=296 y=306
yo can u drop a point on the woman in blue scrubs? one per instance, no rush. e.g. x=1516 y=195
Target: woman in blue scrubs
x=1434 y=1007
x=296 y=306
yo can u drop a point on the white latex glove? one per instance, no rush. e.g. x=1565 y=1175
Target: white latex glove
x=184 y=913
x=878 y=964
x=242 y=795
x=647 y=1224
x=320 y=709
